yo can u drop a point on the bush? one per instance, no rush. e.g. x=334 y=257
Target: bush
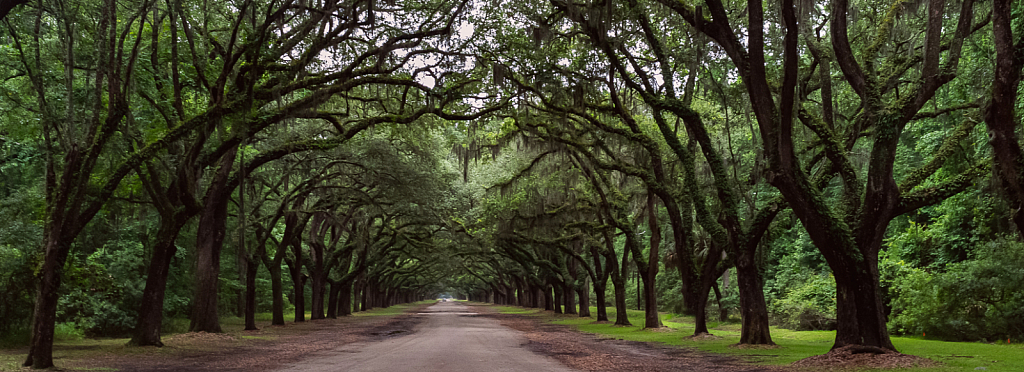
x=103 y=291
x=799 y=287
x=68 y=332
x=17 y=290
x=809 y=306
x=980 y=299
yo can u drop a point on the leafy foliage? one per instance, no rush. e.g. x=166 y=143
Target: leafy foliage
x=979 y=299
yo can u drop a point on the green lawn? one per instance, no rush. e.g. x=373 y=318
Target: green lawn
x=793 y=345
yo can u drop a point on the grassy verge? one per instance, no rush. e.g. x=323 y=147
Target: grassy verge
x=792 y=345
x=73 y=347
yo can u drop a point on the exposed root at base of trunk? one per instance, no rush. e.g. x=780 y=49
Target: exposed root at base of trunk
x=864 y=356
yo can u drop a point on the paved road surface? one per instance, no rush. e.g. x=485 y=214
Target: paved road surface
x=450 y=339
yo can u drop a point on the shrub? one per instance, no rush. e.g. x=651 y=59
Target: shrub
x=980 y=299
x=17 y=290
x=104 y=290
x=809 y=306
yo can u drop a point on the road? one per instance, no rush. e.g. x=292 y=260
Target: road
x=450 y=338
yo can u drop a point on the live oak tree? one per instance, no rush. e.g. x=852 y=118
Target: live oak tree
x=849 y=234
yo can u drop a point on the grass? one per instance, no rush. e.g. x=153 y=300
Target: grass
x=792 y=345
x=70 y=344
x=393 y=310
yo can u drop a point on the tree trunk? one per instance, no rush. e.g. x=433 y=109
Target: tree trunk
x=999 y=114
x=556 y=298
x=44 y=316
x=584 y=294
x=701 y=318
x=754 y=315
x=859 y=311
x=619 y=288
x=362 y=297
x=600 y=291
x=332 y=300
x=298 y=285
x=651 y=318
x=252 y=267
x=549 y=300
x=209 y=241
x=345 y=299
x=723 y=313
x=569 y=298
x=317 y=297
x=291 y=226
x=366 y=296
x=151 y=311
x=277 y=292
x=649 y=273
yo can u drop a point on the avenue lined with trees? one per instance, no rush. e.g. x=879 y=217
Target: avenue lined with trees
x=850 y=165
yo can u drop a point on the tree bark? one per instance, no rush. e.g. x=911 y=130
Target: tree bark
x=44 y=316
x=252 y=266
x=7 y=5
x=276 y=292
x=723 y=313
x=709 y=275
x=999 y=115
x=754 y=317
x=649 y=273
x=332 y=299
x=209 y=241
x=151 y=310
x=298 y=286
x=619 y=289
x=548 y=298
x=584 y=295
x=292 y=227
x=569 y=296
x=345 y=299
x=556 y=305
x=600 y=292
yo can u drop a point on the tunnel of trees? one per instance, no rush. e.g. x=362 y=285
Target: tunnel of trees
x=852 y=165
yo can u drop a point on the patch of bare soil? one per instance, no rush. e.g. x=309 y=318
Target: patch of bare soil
x=269 y=348
x=863 y=357
x=588 y=352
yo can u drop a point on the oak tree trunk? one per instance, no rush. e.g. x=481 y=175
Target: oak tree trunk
x=332 y=300
x=619 y=289
x=584 y=294
x=569 y=295
x=754 y=311
x=151 y=311
x=252 y=266
x=209 y=241
x=345 y=299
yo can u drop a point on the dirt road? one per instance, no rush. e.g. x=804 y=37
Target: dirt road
x=450 y=337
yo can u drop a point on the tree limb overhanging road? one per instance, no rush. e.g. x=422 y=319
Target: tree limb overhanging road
x=450 y=338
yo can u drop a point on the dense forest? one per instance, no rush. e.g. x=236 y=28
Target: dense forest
x=852 y=165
